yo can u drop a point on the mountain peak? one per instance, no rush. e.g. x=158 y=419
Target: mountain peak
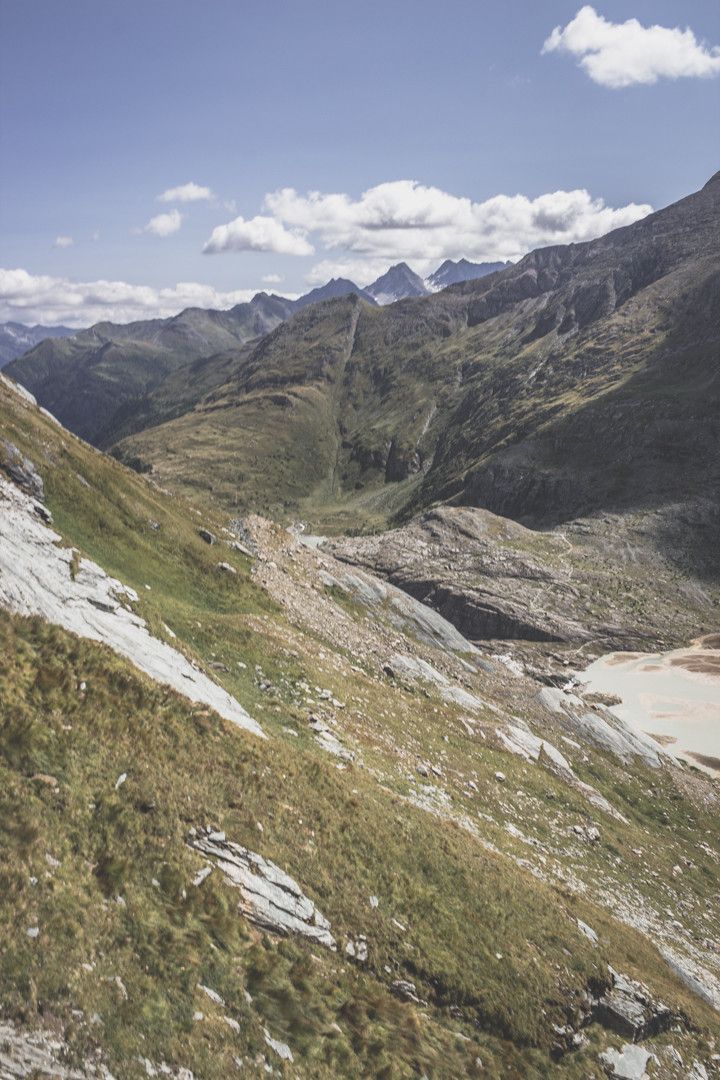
x=332 y=290
x=398 y=283
x=450 y=272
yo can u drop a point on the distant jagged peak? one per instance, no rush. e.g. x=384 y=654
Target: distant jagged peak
x=398 y=283
x=333 y=289
x=451 y=272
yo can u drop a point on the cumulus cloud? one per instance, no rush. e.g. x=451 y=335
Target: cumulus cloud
x=164 y=224
x=63 y=242
x=32 y=298
x=190 y=192
x=258 y=234
x=627 y=54
x=272 y=279
x=362 y=271
x=406 y=220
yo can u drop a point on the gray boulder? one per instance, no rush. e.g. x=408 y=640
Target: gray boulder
x=269 y=897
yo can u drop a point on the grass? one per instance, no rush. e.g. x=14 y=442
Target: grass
x=343 y=834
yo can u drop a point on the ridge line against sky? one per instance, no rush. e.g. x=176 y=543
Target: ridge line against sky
x=534 y=127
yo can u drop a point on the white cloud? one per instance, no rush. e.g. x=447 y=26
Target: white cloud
x=63 y=242
x=32 y=298
x=164 y=224
x=272 y=279
x=406 y=220
x=190 y=192
x=362 y=271
x=625 y=54
x=257 y=234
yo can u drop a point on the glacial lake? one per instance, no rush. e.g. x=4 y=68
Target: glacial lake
x=674 y=697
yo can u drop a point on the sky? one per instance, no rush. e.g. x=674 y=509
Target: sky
x=162 y=153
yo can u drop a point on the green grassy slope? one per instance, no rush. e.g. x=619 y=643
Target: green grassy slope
x=96 y=380
x=494 y=951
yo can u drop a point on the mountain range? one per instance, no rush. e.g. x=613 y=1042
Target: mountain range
x=544 y=391
x=94 y=381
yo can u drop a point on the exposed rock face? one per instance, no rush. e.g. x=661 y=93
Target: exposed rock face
x=414 y=667
x=601 y=727
x=403 y=609
x=38 y=1054
x=37 y=578
x=629 y=1063
x=492 y=578
x=269 y=896
x=21 y=470
x=699 y=980
x=629 y=1009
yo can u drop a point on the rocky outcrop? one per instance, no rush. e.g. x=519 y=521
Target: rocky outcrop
x=39 y=577
x=21 y=470
x=269 y=897
x=602 y=727
x=492 y=578
x=629 y=1008
x=629 y=1063
x=401 y=609
x=37 y=1055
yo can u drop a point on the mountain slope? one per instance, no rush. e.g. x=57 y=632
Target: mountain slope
x=16 y=339
x=475 y=880
x=583 y=378
x=110 y=368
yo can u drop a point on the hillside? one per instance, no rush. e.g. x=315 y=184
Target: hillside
x=91 y=380
x=16 y=338
x=102 y=384
x=457 y=884
x=582 y=379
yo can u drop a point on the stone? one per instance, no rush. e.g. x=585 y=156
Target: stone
x=25 y=1055
x=212 y=994
x=587 y=931
x=241 y=548
x=357 y=949
x=405 y=990
x=226 y=568
x=329 y=741
x=629 y=1063
x=415 y=668
x=269 y=897
x=281 y=1049
x=207 y=536
x=629 y=1009
x=21 y=470
x=36 y=579
x=697 y=979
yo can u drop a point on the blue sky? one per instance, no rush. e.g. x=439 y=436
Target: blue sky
x=106 y=105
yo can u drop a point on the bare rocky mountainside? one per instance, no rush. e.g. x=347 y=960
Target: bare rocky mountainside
x=303 y=768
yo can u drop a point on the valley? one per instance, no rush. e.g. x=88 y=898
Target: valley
x=315 y=621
